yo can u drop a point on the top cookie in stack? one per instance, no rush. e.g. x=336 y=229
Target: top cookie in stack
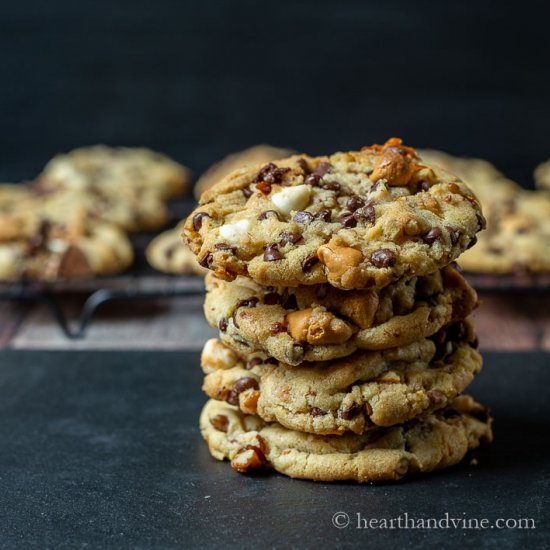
x=340 y=310
x=355 y=220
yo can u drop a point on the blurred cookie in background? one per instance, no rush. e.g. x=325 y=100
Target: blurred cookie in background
x=115 y=168
x=517 y=238
x=541 y=175
x=257 y=154
x=168 y=253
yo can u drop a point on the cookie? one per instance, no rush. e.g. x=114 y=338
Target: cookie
x=542 y=175
x=253 y=155
x=321 y=322
x=356 y=393
x=517 y=237
x=111 y=168
x=355 y=220
x=433 y=442
x=169 y=254
x=66 y=251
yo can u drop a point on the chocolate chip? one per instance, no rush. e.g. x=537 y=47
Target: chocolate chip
x=454 y=234
x=323 y=168
x=270 y=173
x=276 y=328
x=206 y=261
x=245 y=383
x=247 y=192
x=316 y=411
x=312 y=179
x=350 y=412
x=472 y=242
x=354 y=202
x=309 y=262
x=367 y=214
x=234 y=317
x=436 y=397
x=225 y=247
x=434 y=234
x=287 y=237
x=423 y=185
x=302 y=163
x=291 y=302
x=324 y=215
x=169 y=252
x=450 y=413
x=197 y=220
x=272 y=253
x=272 y=298
x=481 y=221
x=267 y=213
x=220 y=422
x=383 y=258
x=222 y=325
x=248 y=302
x=331 y=186
x=303 y=217
x=457 y=332
x=368 y=408
x=347 y=220
x=255 y=361
x=264 y=187
x=271 y=361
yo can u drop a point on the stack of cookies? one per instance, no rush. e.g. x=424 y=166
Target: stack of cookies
x=344 y=345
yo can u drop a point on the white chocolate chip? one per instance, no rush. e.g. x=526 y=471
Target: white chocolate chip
x=292 y=198
x=234 y=231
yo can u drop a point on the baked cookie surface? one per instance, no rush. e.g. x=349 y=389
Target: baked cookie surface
x=251 y=156
x=321 y=322
x=110 y=168
x=357 y=393
x=355 y=220
x=436 y=441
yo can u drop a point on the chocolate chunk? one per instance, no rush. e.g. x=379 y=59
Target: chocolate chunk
x=434 y=234
x=454 y=234
x=245 y=383
x=323 y=168
x=267 y=213
x=255 y=361
x=272 y=298
x=206 y=261
x=260 y=176
x=312 y=179
x=472 y=242
x=347 y=220
x=309 y=262
x=316 y=411
x=276 y=328
x=324 y=215
x=287 y=237
x=220 y=422
x=197 y=220
x=303 y=217
x=350 y=412
x=331 y=186
x=248 y=302
x=247 y=192
x=366 y=214
x=225 y=247
x=291 y=302
x=272 y=253
x=264 y=187
x=354 y=202
x=222 y=325
x=383 y=258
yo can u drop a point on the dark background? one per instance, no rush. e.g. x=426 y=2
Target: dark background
x=198 y=79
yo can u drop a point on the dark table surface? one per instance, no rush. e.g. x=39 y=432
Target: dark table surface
x=102 y=450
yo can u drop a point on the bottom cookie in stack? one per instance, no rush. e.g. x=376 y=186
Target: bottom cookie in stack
x=371 y=416
x=438 y=440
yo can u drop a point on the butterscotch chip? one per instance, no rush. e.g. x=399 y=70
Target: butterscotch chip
x=344 y=212
x=439 y=440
